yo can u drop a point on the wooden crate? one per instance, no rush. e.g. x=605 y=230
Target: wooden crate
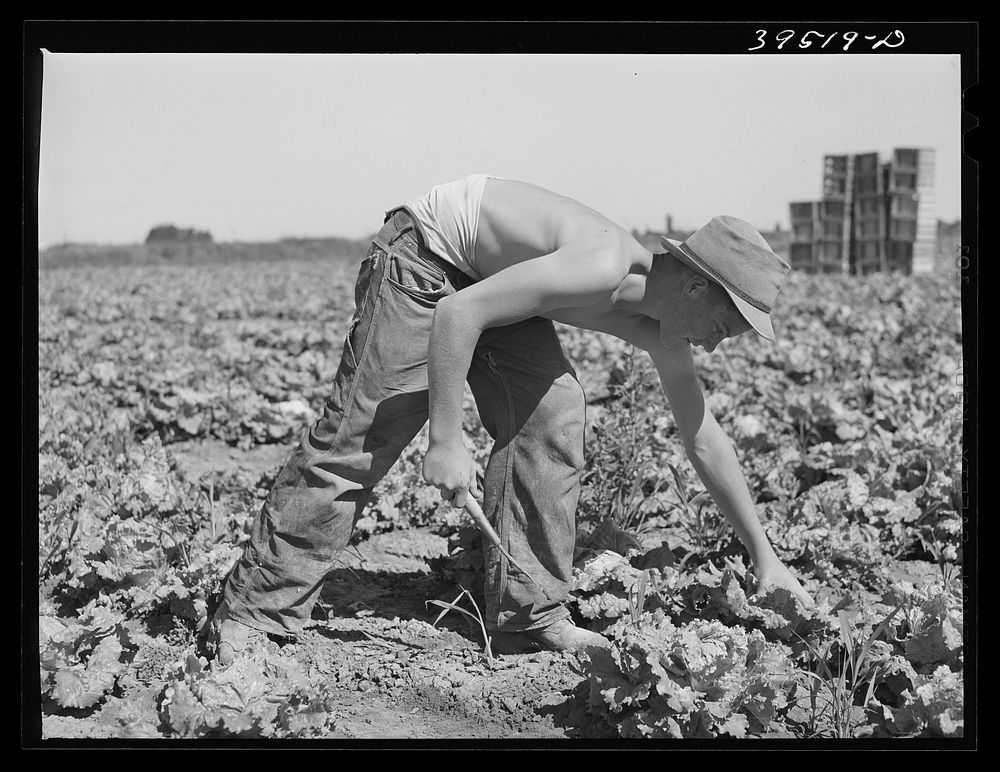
x=802 y=211
x=802 y=257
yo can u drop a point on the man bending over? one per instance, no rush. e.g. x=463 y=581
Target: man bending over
x=463 y=285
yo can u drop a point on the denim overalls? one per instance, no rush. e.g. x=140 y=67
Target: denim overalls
x=528 y=398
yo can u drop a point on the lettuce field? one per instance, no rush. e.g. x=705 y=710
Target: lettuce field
x=169 y=397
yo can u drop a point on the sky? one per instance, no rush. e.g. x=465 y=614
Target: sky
x=258 y=147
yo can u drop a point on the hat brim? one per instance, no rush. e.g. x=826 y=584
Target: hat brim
x=759 y=320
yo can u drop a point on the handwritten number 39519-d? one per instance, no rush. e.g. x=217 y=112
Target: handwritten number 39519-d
x=806 y=40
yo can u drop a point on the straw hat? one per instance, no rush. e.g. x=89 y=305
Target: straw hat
x=734 y=255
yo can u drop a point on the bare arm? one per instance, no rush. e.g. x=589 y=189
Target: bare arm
x=709 y=449
x=569 y=277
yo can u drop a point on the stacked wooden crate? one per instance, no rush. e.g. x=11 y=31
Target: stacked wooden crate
x=804 y=216
x=873 y=216
x=869 y=215
x=821 y=229
x=833 y=215
x=925 y=246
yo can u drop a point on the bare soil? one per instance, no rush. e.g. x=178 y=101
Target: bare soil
x=392 y=672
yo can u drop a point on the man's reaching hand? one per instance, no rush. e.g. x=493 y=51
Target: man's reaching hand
x=775 y=574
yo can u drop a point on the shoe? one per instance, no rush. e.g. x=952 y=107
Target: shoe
x=561 y=635
x=234 y=638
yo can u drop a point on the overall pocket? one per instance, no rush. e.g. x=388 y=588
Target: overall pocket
x=412 y=274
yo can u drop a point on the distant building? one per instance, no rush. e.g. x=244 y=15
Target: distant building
x=873 y=216
x=171 y=233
